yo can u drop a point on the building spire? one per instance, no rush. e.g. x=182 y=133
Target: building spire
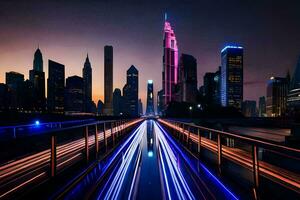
x=166 y=16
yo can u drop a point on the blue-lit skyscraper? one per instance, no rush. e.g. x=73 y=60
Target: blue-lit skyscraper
x=232 y=76
x=150 y=97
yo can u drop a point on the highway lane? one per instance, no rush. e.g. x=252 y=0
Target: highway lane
x=149 y=165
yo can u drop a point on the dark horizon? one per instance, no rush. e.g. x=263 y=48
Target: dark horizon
x=66 y=31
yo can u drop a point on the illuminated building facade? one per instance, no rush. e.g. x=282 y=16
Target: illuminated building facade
x=170 y=63
x=293 y=98
x=232 y=76
x=277 y=90
x=150 y=99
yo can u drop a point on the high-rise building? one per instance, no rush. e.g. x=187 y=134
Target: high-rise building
x=100 y=105
x=150 y=99
x=37 y=78
x=293 y=98
x=130 y=92
x=209 y=86
x=277 y=90
x=118 y=102
x=217 y=93
x=38 y=61
x=74 y=94
x=87 y=85
x=249 y=108
x=232 y=76
x=160 y=100
x=170 y=63
x=108 y=80
x=15 y=82
x=4 y=97
x=187 y=79
x=141 y=112
x=55 y=87
x=262 y=107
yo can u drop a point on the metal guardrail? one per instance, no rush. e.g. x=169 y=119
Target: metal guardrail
x=13 y=132
x=194 y=133
x=17 y=174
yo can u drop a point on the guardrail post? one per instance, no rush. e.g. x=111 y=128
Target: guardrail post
x=112 y=132
x=53 y=161
x=86 y=136
x=183 y=132
x=104 y=136
x=188 y=136
x=255 y=166
x=199 y=143
x=219 y=151
x=96 y=140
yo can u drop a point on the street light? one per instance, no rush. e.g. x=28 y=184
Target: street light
x=190 y=108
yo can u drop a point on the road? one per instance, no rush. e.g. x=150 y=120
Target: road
x=150 y=164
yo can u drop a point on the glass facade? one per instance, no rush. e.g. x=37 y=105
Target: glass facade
x=232 y=76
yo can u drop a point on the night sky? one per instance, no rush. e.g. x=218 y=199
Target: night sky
x=269 y=31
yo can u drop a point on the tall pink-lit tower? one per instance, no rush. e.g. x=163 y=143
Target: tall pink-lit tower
x=170 y=63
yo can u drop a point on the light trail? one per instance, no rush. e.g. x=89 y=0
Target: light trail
x=22 y=170
x=178 y=181
x=118 y=180
x=241 y=157
x=230 y=194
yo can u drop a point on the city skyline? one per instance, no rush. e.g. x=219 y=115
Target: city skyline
x=276 y=57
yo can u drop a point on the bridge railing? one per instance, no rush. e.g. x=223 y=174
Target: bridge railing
x=67 y=146
x=37 y=127
x=245 y=154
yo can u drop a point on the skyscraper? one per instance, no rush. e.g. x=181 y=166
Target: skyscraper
x=100 y=107
x=74 y=94
x=118 y=102
x=170 y=63
x=141 y=112
x=293 y=98
x=108 y=80
x=150 y=99
x=262 y=107
x=160 y=100
x=217 y=93
x=249 y=108
x=37 y=78
x=56 y=87
x=38 y=61
x=15 y=82
x=87 y=85
x=130 y=92
x=232 y=76
x=187 y=78
x=277 y=90
x=4 y=97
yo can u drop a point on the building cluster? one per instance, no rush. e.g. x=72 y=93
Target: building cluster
x=71 y=96
x=179 y=77
x=222 y=88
